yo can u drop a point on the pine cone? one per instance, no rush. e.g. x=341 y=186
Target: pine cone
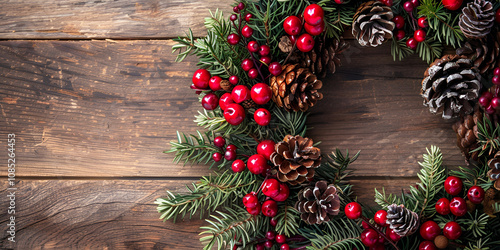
x=318 y=203
x=494 y=173
x=226 y=85
x=451 y=85
x=485 y=52
x=466 y=130
x=285 y=44
x=477 y=19
x=324 y=58
x=403 y=221
x=296 y=159
x=372 y=23
x=296 y=88
x=248 y=104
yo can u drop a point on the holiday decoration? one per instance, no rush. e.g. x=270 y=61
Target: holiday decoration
x=477 y=19
x=403 y=221
x=485 y=52
x=466 y=130
x=318 y=203
x=494 y=172
x=372 y=24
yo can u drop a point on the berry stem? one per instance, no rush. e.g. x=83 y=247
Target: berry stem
x=255 y=63
x=297 y=238
x=290 y=53
x=367 y=221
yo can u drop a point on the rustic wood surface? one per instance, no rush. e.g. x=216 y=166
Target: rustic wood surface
x=92 y=118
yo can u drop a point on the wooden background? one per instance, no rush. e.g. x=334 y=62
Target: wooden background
x=91 y=90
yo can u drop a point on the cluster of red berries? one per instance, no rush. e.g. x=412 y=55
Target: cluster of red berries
x=490 y=100
x=229 y=154
x=274 y=191
x=314 y=25
x=421 y=24
x=272 y=237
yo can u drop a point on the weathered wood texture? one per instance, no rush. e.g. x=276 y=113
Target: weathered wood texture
x=120 y=19
x=96 y=108
x=109 y=214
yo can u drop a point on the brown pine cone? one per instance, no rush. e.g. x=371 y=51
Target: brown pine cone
x=466 y=130
x=484 y=52
x=296 y=159
x=295 y=88
x=324 y=58
x=318 y=203
x=476 y=19
x=226 y=85
x=494 y=173
x=248 y=104
x=403 y=221
x=451 y=84
x=372 y=23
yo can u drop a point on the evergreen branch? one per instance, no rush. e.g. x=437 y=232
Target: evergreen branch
x=288 y=123
x=384 y=200
x=192 y=148
x=336 y=234
x=287 y=221
x=474 y=224
x=488 y=137
x=476 y=175
x=443 y=24
x=215 y=122
x=429 y=50
x=399 y=50
x=334 y=170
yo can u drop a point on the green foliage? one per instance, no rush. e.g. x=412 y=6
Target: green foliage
x=442 y=23
x=288 y=219
x=215 y=122
x=337 y=16
x=334 y=170
x=475 y=175
x=192 y=148
x=488 y=137
x=336 y=234
x=288 y=123
x=384 y=200
x=399 y=50
x=429 y=50
x=474 y=224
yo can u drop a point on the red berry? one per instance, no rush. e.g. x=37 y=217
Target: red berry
x=422 y=22
x=253 y=46
x=427 y=245
x=392 y=235
x=247 y=64
x=275 y=68
x=495 y=102
x=271 y=187
x=236 y=10
x=255 y=210
x=496 y=71
x=283 y=193
x=270 y=235
x=400 y=34
x=476 y=193
x=265 y=60
x=270 y=208
x=261 y=93
x=210 y=101
x=253 y=73
x=266 y=148
x=264 y=50
x=490 y=110
x=268 y=244
x=415 y=3
x=495 y=80
x=399 y=21
x=313 y=14
x=238 y=166
x=248 y=17
x=217 y=156
x=234 y=114
x=219 y=141
x=214 y=83
x=259 y=246
x=485 y=99
x=305 y=43
x=286 y=246
x=452 y=4
x=231 y=147
x=280 y=238
x=233 y=17
x=262 y=116
x=250 y=200
x=246 y=31
x=353 y=210
x=292 y=25
x=419 y=35
x=315 y=30
x=225 y=100
x=412 y=43
x=273 y=222
x=369 y=237
x=429 y=230
x=408 y=6
x=230 y=155
x=240 y=93
x=458 y=207
x=377 y=247
x=233 y=39
x=234 y=80
x=387 y=2
x=365 y=225
x=257 y=164
x=293 y=39
x=380 y=217
x=443 y=206
x=453 y=185
x=452 y=230
x=241 y=6
x=201 y=78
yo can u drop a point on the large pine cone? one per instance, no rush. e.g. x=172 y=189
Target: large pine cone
x=296 y=88
x=494 y=173
x=451 y=85
x=317 y=203
x=296 y=159
x=466 y=130
x=403 y=221
x=485 y=52
x=477 y=19
x=372 y=24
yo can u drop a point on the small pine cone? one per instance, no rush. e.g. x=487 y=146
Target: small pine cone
x=323 y=58
x=372 y=23
x=285 y=44
x=494 y=173
x=248 y=104
x=490 y=194
x=441 y=242
x=318 y=203
x=296 y=159
x=451 y=84
x=476 y=19
x=466 y=130
x=403 y=221
x=226 y=85
x=484 y=52
x=296 y=89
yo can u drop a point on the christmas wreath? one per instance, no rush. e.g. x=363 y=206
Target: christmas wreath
x=260 y=72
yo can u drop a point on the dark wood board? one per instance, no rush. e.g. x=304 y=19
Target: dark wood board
x=110 y=214
x=100 y=19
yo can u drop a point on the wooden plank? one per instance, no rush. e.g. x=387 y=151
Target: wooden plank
x=109 y=214
x=95 y=108
x=80 y=19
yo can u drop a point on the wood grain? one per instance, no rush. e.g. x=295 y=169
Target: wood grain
x=115 y=19
x=110 y=214
x=103 y=109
